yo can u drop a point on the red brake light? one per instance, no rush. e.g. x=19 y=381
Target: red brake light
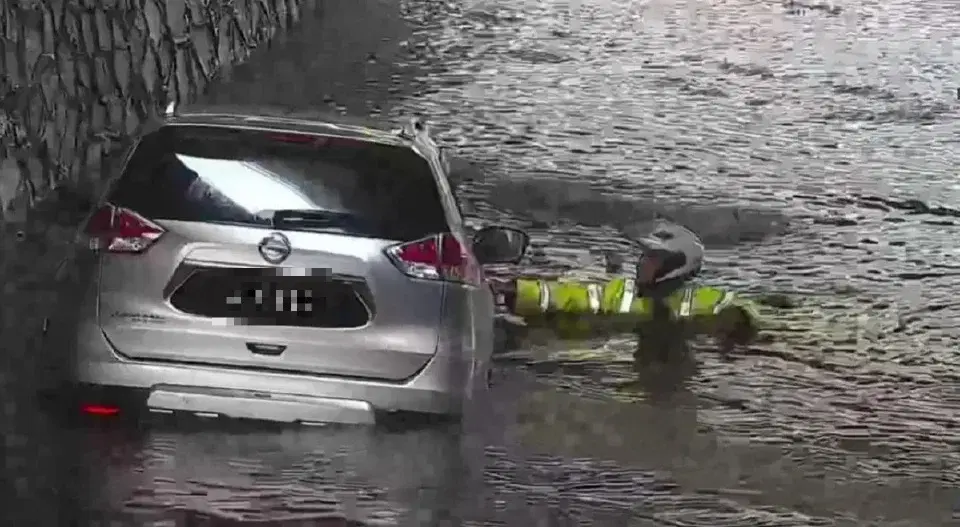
x=100 y=410
x=439 y=257
x=295 y=138
x=119 y=230
x=313 y=140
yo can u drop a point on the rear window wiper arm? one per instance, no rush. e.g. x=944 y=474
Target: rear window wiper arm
x=310 y=217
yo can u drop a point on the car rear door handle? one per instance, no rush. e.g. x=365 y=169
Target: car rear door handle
x=265 y=349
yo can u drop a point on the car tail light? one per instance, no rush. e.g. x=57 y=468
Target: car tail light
x=438 y=257
x=119 y=230
x=294 y=138
x=100 y=410
x=314 y=140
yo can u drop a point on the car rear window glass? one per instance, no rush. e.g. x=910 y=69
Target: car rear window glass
x=237 y=176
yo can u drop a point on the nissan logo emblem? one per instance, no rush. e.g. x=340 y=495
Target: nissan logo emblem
x=275 y=248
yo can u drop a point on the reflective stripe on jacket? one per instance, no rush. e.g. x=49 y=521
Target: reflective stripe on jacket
x=575 y=308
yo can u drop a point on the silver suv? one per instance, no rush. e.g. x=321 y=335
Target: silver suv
x=268 y=267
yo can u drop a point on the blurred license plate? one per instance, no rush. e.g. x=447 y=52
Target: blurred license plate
x=266 y=299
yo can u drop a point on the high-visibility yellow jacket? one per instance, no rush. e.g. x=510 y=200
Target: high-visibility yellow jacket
x=577 y=309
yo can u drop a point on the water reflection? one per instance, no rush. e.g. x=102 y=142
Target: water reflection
x=662 y=382
x=408 y=477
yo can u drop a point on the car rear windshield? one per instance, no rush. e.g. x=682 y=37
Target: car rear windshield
x=234 y=176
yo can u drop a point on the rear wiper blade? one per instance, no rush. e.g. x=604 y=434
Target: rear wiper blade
x=310 y=217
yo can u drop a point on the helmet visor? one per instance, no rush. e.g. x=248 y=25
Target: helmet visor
x=648 y=268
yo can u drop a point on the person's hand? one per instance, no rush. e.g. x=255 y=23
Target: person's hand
x=732 y=329
x=510 y=328
x=504 y=293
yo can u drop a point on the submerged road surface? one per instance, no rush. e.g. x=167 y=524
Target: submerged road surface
x=813 y=146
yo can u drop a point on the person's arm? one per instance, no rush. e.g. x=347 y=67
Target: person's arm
x=732 y=320
x=577 y=310
x=536 y=297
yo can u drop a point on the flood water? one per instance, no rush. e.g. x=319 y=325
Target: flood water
x=813 y=146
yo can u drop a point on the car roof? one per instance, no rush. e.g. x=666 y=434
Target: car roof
x=290 y=119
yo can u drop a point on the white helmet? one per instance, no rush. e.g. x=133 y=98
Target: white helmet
x=677 y=254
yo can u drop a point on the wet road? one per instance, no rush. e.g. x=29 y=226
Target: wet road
x=813 y=147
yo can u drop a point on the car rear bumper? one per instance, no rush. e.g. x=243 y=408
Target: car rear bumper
x=439 y=388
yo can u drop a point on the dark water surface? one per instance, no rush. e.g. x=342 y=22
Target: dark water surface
x=814 y=147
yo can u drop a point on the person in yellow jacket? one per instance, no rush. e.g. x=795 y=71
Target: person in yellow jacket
x=658 y=304
x=575 y=310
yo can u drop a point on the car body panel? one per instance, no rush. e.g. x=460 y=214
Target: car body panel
x=141 y=323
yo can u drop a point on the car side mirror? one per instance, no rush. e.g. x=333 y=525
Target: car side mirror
x=500 y=245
